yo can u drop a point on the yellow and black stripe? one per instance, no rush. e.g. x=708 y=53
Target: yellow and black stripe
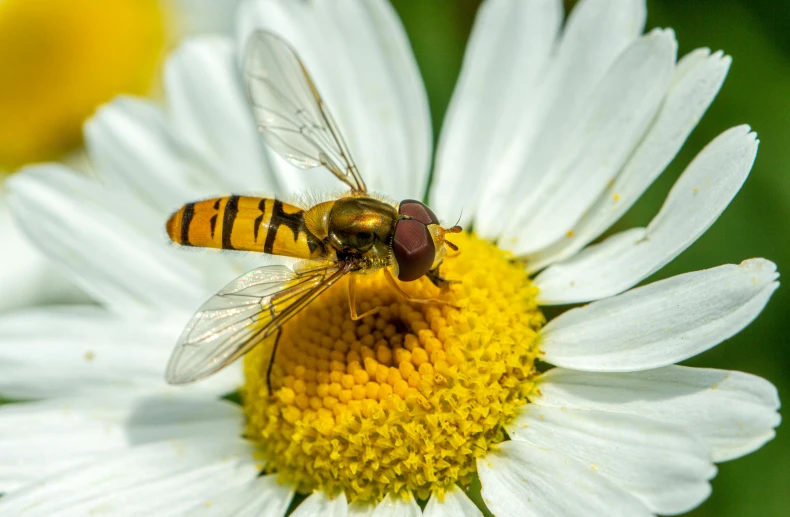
x=248 y=224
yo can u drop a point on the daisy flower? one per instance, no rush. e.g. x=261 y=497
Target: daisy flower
x=556 y=127
x=61 y=60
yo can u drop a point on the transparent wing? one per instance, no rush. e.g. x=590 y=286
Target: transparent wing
x=290 y=113
x=248 y=311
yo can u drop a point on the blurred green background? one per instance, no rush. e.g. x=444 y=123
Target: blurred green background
x=756 y=34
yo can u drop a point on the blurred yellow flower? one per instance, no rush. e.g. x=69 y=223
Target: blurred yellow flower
x=61 y=59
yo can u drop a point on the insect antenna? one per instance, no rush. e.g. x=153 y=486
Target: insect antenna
x=459 y=218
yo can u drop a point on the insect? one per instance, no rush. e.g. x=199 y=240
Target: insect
x=353 y=234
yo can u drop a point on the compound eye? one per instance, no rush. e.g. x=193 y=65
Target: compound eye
x=418 y=211
x=414 y=249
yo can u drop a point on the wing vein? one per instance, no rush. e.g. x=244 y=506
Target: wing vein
x=291 y=115
x=246 y=312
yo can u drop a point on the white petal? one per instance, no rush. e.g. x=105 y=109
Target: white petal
x=262 y=497
x=664 y=466
x=320 y=505
x=409 y=99
x=604 y=136
x=203 y=16
x=76 y=351
x=130 y=143
x=26 y=276
x=520 y=480
x=42 y=438
x=210 y=115
x=172 y=475
x=597 y=32
x=661 y=323
x=395 y=506
x=698 y=198
x=361 y=509
x=698 y=77
x=107 y=242
x=360 y=59
x=504 y=63
x=456 y=503
x=733 y=411
x=161 y=178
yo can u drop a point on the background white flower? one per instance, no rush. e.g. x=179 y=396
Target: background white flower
x=67 y=57
x=95 y=441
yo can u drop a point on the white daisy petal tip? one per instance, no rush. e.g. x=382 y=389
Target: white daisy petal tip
x=698 y=198
x=744 y=130
x=734 y=412
x=697 y=79
x=724 y=59
x=660 y=323
x=618 y=111
x=666 y=33
x=718 y=59
x=758 y=397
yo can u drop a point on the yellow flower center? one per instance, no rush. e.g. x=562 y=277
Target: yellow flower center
x=61 y=59
x=405 y=400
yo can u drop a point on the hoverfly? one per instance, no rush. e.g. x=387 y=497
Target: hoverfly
x=353 y=234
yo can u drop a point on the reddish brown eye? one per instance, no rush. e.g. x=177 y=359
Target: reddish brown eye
x=418 y=211
x=414 y=249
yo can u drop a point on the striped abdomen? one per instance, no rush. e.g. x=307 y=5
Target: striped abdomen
x=245 y=223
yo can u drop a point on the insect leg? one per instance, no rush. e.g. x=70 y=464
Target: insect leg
x=352 y=302
x=271 y=362
x=408 y=297
x=438 y=280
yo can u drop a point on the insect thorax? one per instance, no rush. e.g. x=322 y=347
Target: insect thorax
x=361 y=224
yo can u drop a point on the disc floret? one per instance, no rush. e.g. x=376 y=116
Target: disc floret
x=407 y=399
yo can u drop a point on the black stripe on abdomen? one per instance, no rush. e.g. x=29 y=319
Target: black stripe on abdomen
x=294 y=222
x=213 y=220
x=186 y=220
x=228 y=219
x=274 y=226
